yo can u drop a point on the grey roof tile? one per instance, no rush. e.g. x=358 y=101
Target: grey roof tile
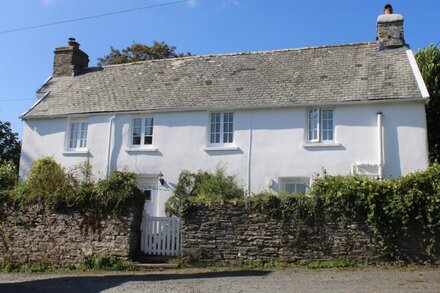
x=320 y=75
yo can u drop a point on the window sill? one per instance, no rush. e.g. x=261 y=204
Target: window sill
x=220 y=148
x=76 y=152
x=141 y=150
x=321 y=145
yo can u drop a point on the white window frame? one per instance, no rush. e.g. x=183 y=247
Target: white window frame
x=319 y=126
x=222 y=129
x=142 y=144
x=78 y=139
x=283 y=182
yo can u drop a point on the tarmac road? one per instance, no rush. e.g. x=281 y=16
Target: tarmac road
x=369 y=279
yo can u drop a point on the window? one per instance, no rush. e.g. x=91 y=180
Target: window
x=320 y=125
x=294 y=185
x=142 y=134
x=77 y=135
x=221 y=128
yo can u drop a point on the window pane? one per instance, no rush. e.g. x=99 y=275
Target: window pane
x=136 y=140
x=228 y=127
x=74 y=128
x=300 y=188
x=327 y=125
x=290 y=187
x=215 y=128
x=148 y=140
x=313 y=124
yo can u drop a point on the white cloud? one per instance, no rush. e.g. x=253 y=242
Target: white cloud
x=47 y=2
x=192 y=3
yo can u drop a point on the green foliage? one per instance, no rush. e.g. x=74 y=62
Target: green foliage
x=394 y=209
x=75 y=191
x=46 y=178
x=428 y=60
x=101 y=263
x=203 y=186
x=140 y=52
x=10 y=146
x=8 y=177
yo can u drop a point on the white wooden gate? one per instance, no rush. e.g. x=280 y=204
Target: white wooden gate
x=160 y=235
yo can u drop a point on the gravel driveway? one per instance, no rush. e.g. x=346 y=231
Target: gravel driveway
x=191 y=280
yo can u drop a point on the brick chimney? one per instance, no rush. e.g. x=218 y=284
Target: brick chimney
x=390 y=29
x=69 y=60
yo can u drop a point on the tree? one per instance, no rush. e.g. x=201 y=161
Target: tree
x=140 y=52
x=10 y=146
x=428 y=60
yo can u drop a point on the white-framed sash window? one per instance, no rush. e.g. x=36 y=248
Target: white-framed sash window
x=221 y=128
x=77 y=139
x=142 y=132
x=294 y=185
x=320 y=125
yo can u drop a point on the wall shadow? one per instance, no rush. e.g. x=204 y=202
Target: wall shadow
x=99 y=283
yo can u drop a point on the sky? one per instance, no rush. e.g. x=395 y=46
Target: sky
x=197 y=26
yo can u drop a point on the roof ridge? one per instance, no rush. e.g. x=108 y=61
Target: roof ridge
x=242 y=53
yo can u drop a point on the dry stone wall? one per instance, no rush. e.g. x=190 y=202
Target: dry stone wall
x=233 y=235
x=32 y=234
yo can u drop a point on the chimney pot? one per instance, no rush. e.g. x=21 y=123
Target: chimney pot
x=388 y=9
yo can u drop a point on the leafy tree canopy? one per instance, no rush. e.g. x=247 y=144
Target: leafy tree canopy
x=140 y=52
x=10 y=146
x=428 y=60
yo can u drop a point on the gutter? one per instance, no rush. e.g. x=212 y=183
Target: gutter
x=109 y=155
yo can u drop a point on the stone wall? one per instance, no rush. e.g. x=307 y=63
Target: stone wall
x=234 y=234
x=32 y=234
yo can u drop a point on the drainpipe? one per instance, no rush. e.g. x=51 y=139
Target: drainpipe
x=110 y=128
x=380 y=144
x=249 y=154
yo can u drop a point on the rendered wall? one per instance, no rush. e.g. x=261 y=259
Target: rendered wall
x=275 y=147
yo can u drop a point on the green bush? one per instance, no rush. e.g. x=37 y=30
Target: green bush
x=46 y=178
x=392 y=208
x=205 y=187
x=101 y=263
x=8 y=178
x=73 y=191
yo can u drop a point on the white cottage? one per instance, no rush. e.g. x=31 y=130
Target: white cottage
x=273 y=119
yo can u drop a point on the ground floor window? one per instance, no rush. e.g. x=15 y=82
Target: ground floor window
x=294 y=185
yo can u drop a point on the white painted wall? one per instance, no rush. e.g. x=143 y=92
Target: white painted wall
x=277 y=145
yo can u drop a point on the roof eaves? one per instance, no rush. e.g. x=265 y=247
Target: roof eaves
x=22 y=116
x=232 y=108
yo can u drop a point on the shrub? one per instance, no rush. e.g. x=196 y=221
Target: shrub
x=202 y=186
x=101 y=263
x=46 y=178
x=8 y=178
x=392 y=208
x=116 y=191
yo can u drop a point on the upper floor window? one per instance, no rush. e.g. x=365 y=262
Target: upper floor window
x=221 y=128
x=142 y=134
x=320 y=125
x=77 y=135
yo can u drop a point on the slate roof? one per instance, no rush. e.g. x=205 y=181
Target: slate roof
x=309 y=76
